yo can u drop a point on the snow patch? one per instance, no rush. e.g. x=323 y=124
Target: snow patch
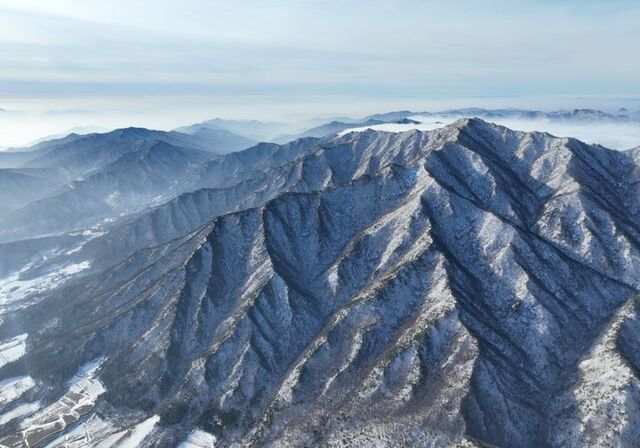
x=138 y=433
x=84 y=389
x=19 y=411
x=13 y=388
x=424 y=124
x=199 y=439
x=13 y=289
x=13 y=349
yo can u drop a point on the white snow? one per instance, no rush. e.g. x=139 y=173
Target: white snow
x=94 y=432
x=84 y=389
x=94 y=232
x=12 y=288
x=113 y=199
x=612 y=135
x=13 y=349
x=425 y=124
x=13 y=388
x=607 y=382
x=100 y=433
x=138 y=433
x=199 y=439
x=19 y=411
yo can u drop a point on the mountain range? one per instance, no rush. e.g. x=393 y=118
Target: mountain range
x=466 y=286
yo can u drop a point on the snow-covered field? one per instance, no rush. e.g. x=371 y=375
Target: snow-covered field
x=13 y=388
x=14 y=288
x=12 y=349
x=99 y=433
x=84 y=389
x=19 y=411
x=199 y=439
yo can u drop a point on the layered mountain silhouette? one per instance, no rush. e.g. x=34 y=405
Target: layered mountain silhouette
x=92 y=177
x=466 y=286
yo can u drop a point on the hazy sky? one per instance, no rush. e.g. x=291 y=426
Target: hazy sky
x=163 y=63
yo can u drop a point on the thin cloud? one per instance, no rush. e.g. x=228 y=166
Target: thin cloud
x=156 y=61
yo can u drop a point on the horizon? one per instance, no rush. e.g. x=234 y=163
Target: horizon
x=70 y=63
x=59 y=123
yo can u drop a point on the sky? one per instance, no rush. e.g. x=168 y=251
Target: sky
x=160 y=63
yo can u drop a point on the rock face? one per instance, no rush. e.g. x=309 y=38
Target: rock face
x=468 y=286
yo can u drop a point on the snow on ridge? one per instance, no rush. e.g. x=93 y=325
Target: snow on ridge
x=424 y=124
x=620 y=136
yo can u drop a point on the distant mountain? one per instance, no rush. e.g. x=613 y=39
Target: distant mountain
x=18 y=187
x=404 y=117
x=80 y=154
x=465 y=286
x=14 y=159
x=152 y=171
x=390 y=116
x=578 y=115
x=406 y=121
x=83 y=154
x=328 y=129
x=111 y=173
x=76 y=131
x=219 y=140
x=251 y=129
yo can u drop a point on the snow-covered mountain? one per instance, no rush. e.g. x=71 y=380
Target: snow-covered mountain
x=20 y=186
x=86 y=179
x=620 y=129
x=465 y=286
x=248 y=129
x=333 y=127
x=575 y=115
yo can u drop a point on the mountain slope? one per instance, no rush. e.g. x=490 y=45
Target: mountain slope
x=21 y=186
x=458 y=287
x=219 y=140
x=150 y=172
x=561 y=115
x=90 y=152
x=330 y=128
x=252 y=129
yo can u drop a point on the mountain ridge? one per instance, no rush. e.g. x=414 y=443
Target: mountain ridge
x=422 y=282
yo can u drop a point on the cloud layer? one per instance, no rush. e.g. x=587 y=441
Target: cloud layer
x=220 y=57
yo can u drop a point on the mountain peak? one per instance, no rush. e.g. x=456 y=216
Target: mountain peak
x=316 y=291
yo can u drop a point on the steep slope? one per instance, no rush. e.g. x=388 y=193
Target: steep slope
x=21 y=186
x=470 y=285
x=14 y=159
x=84 y=154
x=236 y=181
x=220 y=141
x=151 y=172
